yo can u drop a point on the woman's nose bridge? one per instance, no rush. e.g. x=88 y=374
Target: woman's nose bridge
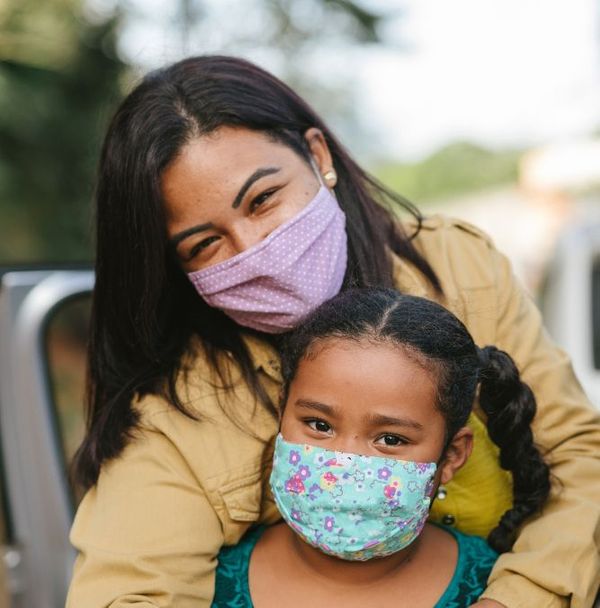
x=245 y=234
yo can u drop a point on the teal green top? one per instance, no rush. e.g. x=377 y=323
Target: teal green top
x=475 y=561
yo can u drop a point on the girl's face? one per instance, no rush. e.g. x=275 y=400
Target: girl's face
x=228 y=190
x=370 y=399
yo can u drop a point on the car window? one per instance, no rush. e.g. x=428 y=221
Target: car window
x=65 y=343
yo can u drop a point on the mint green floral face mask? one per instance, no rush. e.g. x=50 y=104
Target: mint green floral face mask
x=347 y=505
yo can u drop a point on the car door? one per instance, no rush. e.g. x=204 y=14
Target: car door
x=43 y=330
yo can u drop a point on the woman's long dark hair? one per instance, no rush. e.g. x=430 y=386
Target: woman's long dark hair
x=443 y=345
x=144 y=309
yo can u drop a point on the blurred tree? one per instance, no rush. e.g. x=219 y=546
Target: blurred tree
x=309 y=44
x=458 y=168
x=59 y=78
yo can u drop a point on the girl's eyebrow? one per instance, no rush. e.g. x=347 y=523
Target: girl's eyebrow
x=382 y=420
x=371 y=419
x=316 y=405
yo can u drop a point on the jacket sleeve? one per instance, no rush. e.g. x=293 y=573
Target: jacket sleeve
x=555 y=561
x=146 y=534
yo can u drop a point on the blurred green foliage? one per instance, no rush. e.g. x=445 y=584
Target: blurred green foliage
x=453 y=170
x=59 y=78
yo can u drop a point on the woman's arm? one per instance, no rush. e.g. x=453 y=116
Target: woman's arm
x=556 y=558
x=147 y=534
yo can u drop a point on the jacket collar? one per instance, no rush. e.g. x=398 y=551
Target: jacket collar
x=264 y=356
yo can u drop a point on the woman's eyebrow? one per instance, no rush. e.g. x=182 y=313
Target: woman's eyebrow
x=264 y=171
x=316 y=405
x=180 y=236
x=381 y=420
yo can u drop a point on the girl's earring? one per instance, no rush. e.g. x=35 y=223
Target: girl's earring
x=330 y=177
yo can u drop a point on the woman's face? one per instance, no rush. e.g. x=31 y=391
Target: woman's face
x=228 y=190
x=370 y=399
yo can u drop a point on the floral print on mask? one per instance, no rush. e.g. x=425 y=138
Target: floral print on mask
x=351 y=506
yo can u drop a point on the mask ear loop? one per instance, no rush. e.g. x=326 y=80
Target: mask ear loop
x=313 y=164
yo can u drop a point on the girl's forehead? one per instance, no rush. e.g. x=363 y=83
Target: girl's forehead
x=381 y=352
x=361 y=375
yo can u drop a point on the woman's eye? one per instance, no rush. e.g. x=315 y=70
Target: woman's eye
x=319 y=425
x=260 y=199
x=391 y=440
x=203 y=244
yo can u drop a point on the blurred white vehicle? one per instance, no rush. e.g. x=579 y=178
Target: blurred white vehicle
x=571 y=300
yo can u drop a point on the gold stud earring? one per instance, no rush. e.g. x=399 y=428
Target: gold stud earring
x=330 y=176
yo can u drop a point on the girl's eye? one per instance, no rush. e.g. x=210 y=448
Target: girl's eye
x=203 y=244
x=391 y=440
x=260 y=199
x=319 y=425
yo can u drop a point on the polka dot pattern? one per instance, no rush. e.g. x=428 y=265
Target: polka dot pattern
x=272 y=286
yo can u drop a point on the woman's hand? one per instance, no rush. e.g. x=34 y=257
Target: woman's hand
x=487 y=604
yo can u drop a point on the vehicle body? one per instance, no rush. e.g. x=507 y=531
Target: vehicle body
x=571 y=300
x=38 y=503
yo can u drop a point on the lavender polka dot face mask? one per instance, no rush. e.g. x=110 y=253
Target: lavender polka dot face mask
x=273 y=285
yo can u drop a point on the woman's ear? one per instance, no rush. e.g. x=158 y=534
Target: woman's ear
x=457 y=453
x=321 y=155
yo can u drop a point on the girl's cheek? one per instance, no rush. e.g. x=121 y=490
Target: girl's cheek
x=292 y=429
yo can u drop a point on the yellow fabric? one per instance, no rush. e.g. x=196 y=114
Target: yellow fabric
x=480 y=492
x=148 y=533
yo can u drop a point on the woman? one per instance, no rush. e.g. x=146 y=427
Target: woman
x=215 y=169
x=373 y=421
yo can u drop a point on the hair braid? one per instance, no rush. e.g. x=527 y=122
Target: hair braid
x=510 y=407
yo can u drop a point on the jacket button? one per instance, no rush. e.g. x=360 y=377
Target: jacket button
x=441 y=493
x=448 y=519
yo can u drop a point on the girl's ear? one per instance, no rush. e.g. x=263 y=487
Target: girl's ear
x=457 y=453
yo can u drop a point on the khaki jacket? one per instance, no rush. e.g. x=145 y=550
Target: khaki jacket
x=148 y=533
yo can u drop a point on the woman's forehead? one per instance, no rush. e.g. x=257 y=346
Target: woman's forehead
x=212 y=167
x=226 y=151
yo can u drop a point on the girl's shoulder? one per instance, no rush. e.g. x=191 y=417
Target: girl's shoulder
x=231 y=578
x=475 y=562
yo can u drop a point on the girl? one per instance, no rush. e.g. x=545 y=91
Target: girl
x=226 y=212
x=378 y=388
